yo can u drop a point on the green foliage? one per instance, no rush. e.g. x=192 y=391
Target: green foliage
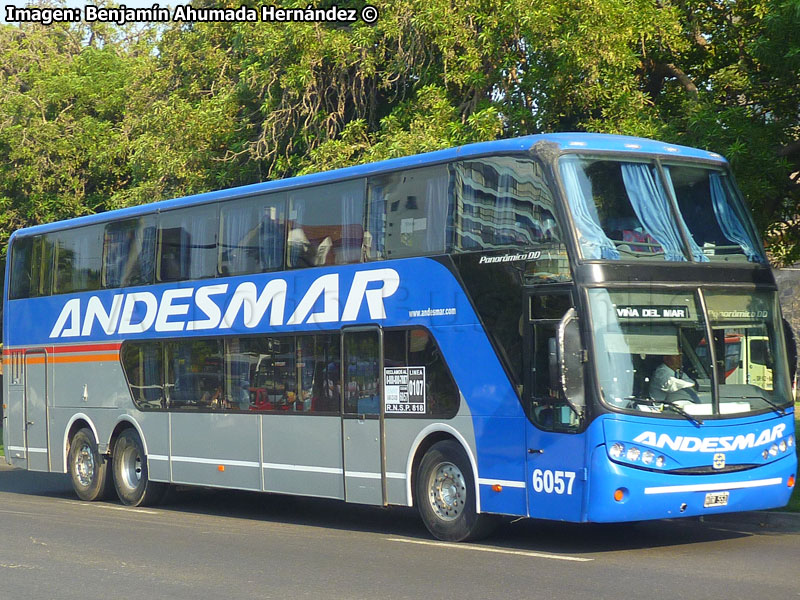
x=99 y=117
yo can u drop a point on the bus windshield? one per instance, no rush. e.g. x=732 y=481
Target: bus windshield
x=623 y=210
x=653 y=356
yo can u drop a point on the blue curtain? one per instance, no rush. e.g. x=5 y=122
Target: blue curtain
x=376 y=221
x=729 y=222
x=352 y=228
x=651 y=206
x=593 y=240
x=697 y=251
x=436 y=205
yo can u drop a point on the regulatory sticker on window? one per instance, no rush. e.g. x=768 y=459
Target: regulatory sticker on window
x=716 y=499
x=404 y=389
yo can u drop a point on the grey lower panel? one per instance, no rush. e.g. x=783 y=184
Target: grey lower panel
x=202 y=443
x=321 y=485
x=210 y=473
x=303 y=455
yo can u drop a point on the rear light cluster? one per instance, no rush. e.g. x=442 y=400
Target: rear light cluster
x=779 y=447
x=633 y=454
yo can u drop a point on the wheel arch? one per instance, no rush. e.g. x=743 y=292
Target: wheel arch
x=77 y=422
x=426 y=438
x=127 y=422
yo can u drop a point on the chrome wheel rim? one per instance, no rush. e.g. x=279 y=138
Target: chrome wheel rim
x=447 y=491
x=84 y=465
x=131 y=467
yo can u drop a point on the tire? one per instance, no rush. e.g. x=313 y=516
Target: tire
x=129 y=467
x=445 y=495
x=88 y=469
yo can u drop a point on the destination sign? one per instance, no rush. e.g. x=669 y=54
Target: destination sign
x=652 y=312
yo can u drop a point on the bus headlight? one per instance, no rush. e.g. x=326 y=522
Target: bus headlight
x=633 y=454
x=773 y=450
x=661 y=461
x=790 y=441
x=782 y=445
x=616 y=450
x=648 y=457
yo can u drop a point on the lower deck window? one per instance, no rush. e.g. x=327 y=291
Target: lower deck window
x=287 y=374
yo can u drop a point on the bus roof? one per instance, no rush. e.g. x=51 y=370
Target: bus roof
x=585 y=142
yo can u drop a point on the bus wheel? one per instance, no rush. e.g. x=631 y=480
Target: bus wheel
x=445 y=495
x=130 y=472
x=88 y=469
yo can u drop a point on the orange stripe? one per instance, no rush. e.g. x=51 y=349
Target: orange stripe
x=39 y=359
x=86 y=358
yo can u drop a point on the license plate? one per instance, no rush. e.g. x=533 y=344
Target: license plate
x=716 y=499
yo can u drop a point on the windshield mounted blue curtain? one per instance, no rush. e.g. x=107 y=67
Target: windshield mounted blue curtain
x=592 y=238
x=697 y=251
x=651 y=205
x=729 y=222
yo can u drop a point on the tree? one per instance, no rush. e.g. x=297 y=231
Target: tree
x=99 y=117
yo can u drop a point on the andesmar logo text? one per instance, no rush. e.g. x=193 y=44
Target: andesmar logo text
x=138 y=312
x=727 y=443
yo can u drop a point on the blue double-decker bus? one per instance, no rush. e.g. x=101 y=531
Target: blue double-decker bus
x=571 y=326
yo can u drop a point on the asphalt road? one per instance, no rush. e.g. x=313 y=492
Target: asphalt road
x=231 y=545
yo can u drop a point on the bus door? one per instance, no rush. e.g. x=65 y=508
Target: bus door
x=36 y=410
x=363 y=415
x=555 y=455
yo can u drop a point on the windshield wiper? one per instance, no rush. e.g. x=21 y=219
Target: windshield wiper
x=778 y=409
x=676 y=407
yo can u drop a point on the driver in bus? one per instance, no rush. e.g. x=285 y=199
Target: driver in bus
x=669 y=377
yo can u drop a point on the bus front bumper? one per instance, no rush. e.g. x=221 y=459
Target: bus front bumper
x=622 y=493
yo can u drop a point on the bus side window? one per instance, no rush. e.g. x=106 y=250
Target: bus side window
x=194 y=374
x=187 y=244
x=23 y=283
x=251 y=235
x=547 y=409
x=408 y=213
x=79 y=259
x=143 y=364
x=129 y=252
x=325 y=225
x=416 y=347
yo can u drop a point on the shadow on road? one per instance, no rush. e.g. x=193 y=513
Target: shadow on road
x=522 y=534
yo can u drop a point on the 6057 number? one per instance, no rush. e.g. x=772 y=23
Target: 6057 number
x=553 y=482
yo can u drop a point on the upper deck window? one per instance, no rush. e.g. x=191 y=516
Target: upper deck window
x=252 y=232
x=626 y=210
x=325 y=225
x=78 y=259
x=503 y=202
x=717 y=222
x=129 y=253
x=187 y=241
x=408 y=213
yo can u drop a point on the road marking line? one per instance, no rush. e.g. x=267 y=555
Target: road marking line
x=493 y=550
x=109 y=507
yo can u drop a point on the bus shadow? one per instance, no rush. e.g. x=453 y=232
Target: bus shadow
x=521 y=534
x=17 y=481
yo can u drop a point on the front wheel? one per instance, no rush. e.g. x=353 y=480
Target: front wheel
x=130 y=472
x=445 y=495
x=88 y=469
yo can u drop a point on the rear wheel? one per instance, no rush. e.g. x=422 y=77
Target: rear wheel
x=88 y=469
x=133 y=486
x=445 y=495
